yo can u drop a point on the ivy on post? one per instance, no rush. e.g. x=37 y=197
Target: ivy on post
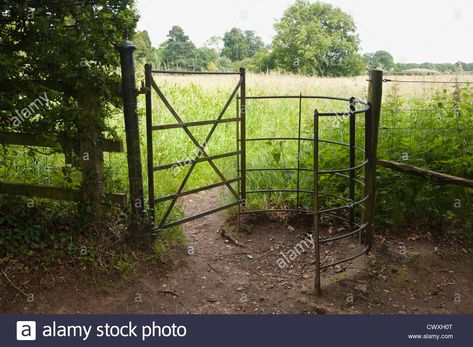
x=130 y=93
x=91 y=156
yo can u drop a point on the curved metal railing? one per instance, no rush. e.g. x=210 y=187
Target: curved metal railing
x=351 y=203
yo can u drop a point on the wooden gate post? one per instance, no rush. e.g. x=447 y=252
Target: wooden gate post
x=375 y=93
x=130 y=93
x=91 y=156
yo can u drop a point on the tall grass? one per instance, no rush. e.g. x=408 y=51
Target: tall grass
x=427 y=125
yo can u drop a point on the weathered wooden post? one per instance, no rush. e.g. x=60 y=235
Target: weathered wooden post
x=375 y=94
x=130 y=93
x=91 y=156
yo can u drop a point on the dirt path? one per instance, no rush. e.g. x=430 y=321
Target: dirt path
x=222 y=271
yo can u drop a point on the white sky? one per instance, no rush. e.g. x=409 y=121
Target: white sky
x=438 y=31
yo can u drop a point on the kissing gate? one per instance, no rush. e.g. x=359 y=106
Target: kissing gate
x=364 y=205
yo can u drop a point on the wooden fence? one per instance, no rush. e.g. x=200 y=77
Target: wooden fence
x=50 y=192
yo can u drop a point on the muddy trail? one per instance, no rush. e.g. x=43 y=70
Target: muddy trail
x=222 y=271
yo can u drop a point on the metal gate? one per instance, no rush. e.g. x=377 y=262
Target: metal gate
x=361 y=227
x=358 y=205
x=201 y=156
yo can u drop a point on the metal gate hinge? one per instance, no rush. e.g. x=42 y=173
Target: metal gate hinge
x=143 y=90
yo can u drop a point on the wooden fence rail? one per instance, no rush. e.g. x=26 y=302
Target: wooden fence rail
x=417 y=171
x=50 y=192
x=34 y=140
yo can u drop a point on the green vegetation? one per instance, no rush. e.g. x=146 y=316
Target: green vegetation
x=311 y=39
x=79 y=63
x=380 y=60
x=384 y=60
x=65 y=50
x=239 y=45
x=317 y=39
x=431 y=130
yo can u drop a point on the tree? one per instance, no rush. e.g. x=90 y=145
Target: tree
x=145 y=52
x=458 y=67
x=64 y=53
x=239 y=45
x=380 y=60
x=317 y=39
x=263 y=61
x=65 y=49
x=178 y=50
x=215 y=42
x=205 y=56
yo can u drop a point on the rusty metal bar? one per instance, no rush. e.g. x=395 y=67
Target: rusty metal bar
x=149 y=140
x=167 y=72
x=299 y=157
x=200 y=215
x=197 y=190
x=275 y=139
x=359 y=166
x=192 y=124
x=344 y=236
x=238 y=158
x=243 y=133
x=190 y=162
x=364 y=251
x=361 y=149
x=276 y=169
x=352 y=155
x=316 y=234
x=344 y=207
x=276 y=210
x=279 y=191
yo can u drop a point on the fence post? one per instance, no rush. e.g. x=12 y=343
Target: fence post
x=91 y=156
x=243 y=134
x=149 y=140
x=375 y=93
x=316 y=234
x=130 y=93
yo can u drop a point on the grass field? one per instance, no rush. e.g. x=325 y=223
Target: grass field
x=424 y=124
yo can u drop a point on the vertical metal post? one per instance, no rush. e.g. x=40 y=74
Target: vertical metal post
x=238 y=159
x=299 y=159
x=243 y=134
x=375 y=93
x=352 y=161
x=149 y=140
x=130 y=93
x=316 y=234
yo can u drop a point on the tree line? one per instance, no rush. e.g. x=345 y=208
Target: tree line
x=310 y=38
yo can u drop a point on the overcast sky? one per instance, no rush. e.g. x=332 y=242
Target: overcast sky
x=418 y=31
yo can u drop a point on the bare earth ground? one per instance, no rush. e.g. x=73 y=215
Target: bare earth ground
x=230 y=272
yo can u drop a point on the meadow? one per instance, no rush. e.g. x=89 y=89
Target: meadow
x=422 y=124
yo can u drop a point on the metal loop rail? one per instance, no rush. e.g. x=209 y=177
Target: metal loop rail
x=349 y=173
